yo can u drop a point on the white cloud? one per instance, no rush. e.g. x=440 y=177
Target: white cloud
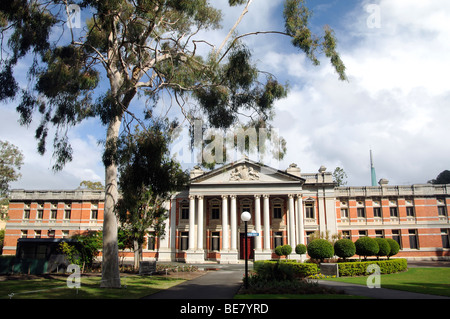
x=37 y=170
x=396 y=100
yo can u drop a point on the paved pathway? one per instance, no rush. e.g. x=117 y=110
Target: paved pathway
x=225 y=281
x=219 y=284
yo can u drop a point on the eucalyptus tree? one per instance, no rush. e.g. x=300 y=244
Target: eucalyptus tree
x=148 y=177
x=132 y=48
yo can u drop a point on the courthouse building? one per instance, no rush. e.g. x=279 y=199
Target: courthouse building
x=287 y=207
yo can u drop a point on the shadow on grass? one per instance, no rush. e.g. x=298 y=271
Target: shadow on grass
x=55 y=287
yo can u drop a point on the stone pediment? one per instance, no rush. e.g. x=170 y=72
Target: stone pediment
x=245 y=171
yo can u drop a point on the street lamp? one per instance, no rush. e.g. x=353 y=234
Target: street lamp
x=245 y=216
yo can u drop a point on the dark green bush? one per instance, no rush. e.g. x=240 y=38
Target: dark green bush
x=284 y=250
x=359 y=268
x=395 y=247
x=320 y=249
x=384 y=247
x=344 y=248
x=279 y=251
x=271 y=270
x=300 y=249
x=366 y=246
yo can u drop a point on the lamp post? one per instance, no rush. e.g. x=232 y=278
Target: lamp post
x=245 y=217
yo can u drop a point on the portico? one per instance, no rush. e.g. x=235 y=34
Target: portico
x=216 y=200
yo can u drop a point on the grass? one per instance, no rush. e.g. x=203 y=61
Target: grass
x=133 y=287
x=434 y=281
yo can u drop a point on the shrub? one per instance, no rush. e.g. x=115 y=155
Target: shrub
x=284 y=250
x=366 y=246
x=384 y=247
x=278 y=251
x=300 y=249
x=344 y=248
x=320 y=249
x=395 y=247
x=359 y=268
x=273 y=270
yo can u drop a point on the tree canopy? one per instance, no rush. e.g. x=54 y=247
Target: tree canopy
x=131 y=49
x=442 y=178
x=11 y=160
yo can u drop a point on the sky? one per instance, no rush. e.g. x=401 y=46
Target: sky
x=395 y=102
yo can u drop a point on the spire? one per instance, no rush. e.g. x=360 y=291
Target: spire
x=372 y=170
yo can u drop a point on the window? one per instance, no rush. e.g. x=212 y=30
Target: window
x=151 y=239
x=184 y=240
x=24 y=233
x=309 y=210
x=361 y=212
x=346 y=234
x=215 y=240
x=40 y=212
x=379 y=233
x=26 y=214
x=65 y=234
x=413 y=239
x=344 y=213
x=410 y=212
x=308 y=236
x=215 y=212
x=37 y=234
x=53 y=214
x=393 y=211
x=51 y=233
x=396 y=235
x=442 y=211
x=362 y=233
x=277 y=211
x=277 y=239
x=94 y=214
x=184 y=211
x=67 y=210
x=377 y=212
x=445 y=238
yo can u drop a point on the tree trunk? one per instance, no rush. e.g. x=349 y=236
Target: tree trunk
x=110 y=257
x=137 y=255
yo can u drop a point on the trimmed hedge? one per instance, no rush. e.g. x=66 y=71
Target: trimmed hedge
x=359 y=268
x=270 y=269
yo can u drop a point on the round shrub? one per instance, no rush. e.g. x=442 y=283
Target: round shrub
x=384 y=247
x=320 y=249
x=366 y=246
x=395 y=247
x=279 y=251
x=300 y=249
x=286 y=250
x=344 y=248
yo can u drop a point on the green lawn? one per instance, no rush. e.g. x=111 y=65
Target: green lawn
x=133 y=287
x=434 y=281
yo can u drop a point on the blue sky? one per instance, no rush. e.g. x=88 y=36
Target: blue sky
x=396 y=100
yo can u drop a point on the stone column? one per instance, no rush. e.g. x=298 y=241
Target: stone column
x=200 y=223
x=191 y=222
x=225 y=245
x=266 y=223
x=258 y=222
x=291 y=222
x=233 y=222
x=300 y=220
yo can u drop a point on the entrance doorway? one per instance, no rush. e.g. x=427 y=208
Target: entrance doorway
x=250 y=247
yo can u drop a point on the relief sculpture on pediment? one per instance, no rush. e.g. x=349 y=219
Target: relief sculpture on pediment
x=244 y=173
